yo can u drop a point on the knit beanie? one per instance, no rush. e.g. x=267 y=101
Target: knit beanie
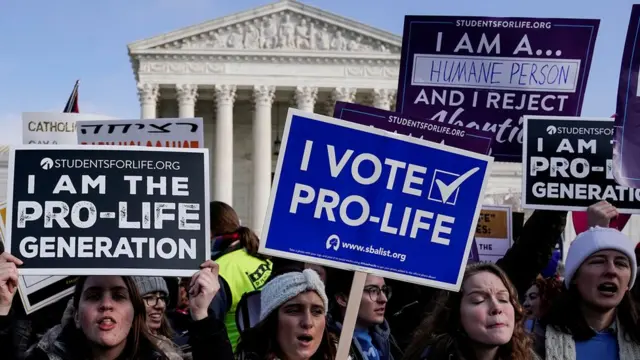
x=287 y=286
x=596 y=239
x=150 y=284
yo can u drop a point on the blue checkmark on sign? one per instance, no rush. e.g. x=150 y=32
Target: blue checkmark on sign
x=445 y=186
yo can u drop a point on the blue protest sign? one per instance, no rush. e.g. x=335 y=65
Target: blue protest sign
x=355 y=197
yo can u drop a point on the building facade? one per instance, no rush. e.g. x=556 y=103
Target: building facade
x=242 y=72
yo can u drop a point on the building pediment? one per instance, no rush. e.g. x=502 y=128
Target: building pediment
x=286 y=26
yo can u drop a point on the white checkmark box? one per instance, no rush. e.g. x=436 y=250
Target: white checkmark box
x=447 y=189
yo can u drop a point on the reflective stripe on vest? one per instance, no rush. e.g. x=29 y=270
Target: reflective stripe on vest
x=243 y=273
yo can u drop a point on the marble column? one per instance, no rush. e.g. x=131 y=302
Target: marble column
x=343 y=94
x=306 y=97
x=187 y=95
x=263 y=97
x=148 y=94
x=224 y=96
x=382 y=98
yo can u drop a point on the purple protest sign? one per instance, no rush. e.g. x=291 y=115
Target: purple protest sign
x=474 y=256
x=486 y=73
x=626 y=146
x=466 y=139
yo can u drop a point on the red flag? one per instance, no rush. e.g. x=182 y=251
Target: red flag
x=72 y=103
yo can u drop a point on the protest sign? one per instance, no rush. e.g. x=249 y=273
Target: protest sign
x=53 y=128
x=567 y=165
x=486 y=73
x=467 y=139
x=37 y=292
x=474 y=257
x=368 y=200
x=177 y=133
x=49 y=128
x=493 y=232
x=626 y=162
x=117 y=210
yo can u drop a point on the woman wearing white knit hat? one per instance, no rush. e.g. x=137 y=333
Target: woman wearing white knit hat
x=595 y=317
x=293 y=308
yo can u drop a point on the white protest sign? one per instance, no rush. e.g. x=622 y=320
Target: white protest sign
x=493 y=232
x=53 y=128
x=176 y=133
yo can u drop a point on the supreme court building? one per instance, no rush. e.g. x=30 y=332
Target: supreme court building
x=241 y=73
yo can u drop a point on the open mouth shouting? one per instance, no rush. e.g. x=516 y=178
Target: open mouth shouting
x=608 y=289
x=106 y=323
x=305 y=340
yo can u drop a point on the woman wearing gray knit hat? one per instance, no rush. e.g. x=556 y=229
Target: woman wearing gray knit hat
x=594 y=317
x=293 y=308
x=155 y=295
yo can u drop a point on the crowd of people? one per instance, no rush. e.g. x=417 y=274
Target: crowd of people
x=519 y=308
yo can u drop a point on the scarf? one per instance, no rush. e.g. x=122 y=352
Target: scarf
x=561 y=346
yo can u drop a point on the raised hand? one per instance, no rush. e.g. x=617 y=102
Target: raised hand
x=203 y=288
x=601 y=213
x=8 y=281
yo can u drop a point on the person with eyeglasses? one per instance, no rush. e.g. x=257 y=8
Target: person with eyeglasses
x=155 y=296
x=372 y=338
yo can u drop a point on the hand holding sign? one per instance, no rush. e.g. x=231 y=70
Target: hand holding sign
x=203 y=288
x=601 y=213
x=8 y=281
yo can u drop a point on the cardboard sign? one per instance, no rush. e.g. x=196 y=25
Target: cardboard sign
x=466 y=139
x=493 y=232
x=486 y=73
x=53 y=128
x=626 y=162
x=96 y=210
x=369 y=200
x=567 y=165
x=170 y=133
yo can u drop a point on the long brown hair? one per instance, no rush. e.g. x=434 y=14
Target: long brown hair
x=261 y=342
x=442 y=331
x=226 y=224
x=139 y=341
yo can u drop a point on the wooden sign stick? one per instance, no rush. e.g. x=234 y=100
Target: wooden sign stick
x=351 y=315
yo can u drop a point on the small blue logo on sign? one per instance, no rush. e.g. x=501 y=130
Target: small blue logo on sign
x=360 y=198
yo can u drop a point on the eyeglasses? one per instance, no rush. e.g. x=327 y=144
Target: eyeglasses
x=153 y=300
x=375 y=291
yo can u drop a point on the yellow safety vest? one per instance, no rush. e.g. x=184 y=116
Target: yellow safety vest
x=243 y=273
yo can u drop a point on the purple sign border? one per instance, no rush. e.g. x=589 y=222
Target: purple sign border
x=626 y=73
x=368 y=111
x=407 y=55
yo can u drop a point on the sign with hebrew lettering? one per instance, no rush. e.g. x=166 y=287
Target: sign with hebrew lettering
x=117 y=210
x=487 y=73
x=177 y=133
x=626 y=162
x=567 y=165
x=493 y=232
x=370 y=200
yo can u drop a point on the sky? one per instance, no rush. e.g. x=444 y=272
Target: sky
x=47 y=45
